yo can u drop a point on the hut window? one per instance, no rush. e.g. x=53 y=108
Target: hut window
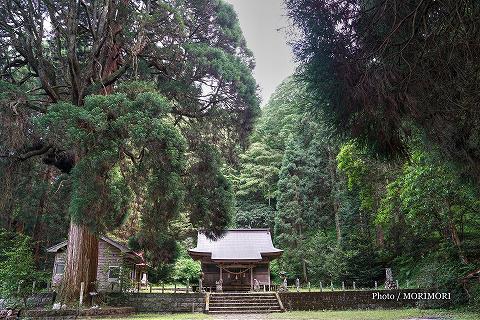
x=113 y=273
x=59 y=268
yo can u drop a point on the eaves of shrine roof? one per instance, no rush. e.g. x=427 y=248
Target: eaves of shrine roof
x=237 y=245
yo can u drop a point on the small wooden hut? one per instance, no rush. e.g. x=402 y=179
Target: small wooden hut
x=239 y=258
x=113 y=259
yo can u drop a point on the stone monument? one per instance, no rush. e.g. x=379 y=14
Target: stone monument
x=389 y=282
x=219 y=287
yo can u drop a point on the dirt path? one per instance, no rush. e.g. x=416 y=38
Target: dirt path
x=250 y=316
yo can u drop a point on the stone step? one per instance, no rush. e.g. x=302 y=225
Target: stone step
x=239 y=294
x=259 y=301
x=244 y=293
x=242 y=296
x=244 y=300
x=245 y=311
x=246 y=308
x=271 y=303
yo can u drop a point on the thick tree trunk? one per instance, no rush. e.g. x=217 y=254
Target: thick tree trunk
x=334 y=193
x=380 y=236
x=456 y=240
x=304 y=267
x=81 y=264
x=337 y=222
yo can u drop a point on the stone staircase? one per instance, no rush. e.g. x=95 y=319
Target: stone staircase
x=263 y=302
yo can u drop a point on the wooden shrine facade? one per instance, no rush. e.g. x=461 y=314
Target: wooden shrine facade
x=238 y=258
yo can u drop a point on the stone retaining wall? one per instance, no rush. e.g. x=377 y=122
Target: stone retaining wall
x=340 y=300
x=158 y=302
x=36 y=300
x=74 y=314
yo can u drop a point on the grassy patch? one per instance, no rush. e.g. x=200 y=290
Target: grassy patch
x=376 y=315
x=167 y=316
x=399 y=314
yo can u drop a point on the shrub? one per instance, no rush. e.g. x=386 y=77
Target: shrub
x=17 y=269
x=186 y=269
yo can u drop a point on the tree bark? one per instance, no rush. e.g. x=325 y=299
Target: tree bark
x=304 y=267
x=81 y=263
x=456 y=240
x=334 y=193
x=380 y=236
x=337 y=222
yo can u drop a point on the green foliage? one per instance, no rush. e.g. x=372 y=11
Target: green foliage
x=111 y=130
x=186 y=269
x=209 y=192
x=328 y=261
x=254 y=215
x=17 y=268
x=258 y=173
x=381 y=66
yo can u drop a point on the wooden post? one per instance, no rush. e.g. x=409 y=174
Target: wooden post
x=354 y=285
x=82 y=288
x=343 y=286
x=321 y=288
x=188 y=286
x=331 y=285
x=269 y=280
x=221 y=275
x=251 y=278
x=150 y=285
x=376 y=285
x=163 y=287
x=396 y=282
x=175 y=288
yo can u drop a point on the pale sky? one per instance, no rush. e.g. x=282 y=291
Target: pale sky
x=264 y=23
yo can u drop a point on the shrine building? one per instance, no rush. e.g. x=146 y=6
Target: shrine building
x=238 y=258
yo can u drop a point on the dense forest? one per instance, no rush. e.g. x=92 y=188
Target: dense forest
x=342 y=212
x=142 y=120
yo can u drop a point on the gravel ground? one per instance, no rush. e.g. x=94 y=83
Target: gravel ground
x=249 y=316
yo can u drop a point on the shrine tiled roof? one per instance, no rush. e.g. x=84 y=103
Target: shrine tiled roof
x=237 y=244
